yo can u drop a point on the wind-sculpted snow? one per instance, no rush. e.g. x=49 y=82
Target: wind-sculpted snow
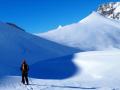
x=95 y=32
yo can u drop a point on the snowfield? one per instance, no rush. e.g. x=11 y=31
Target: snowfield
x=96 y=70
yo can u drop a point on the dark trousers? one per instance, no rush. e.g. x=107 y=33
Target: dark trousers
x=25 y=78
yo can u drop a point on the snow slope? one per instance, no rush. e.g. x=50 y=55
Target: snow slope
x=94 y=32
x=16 y=44
x=97 y=70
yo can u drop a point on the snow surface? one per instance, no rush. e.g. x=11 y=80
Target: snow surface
x=98 y=70
x=95 y=32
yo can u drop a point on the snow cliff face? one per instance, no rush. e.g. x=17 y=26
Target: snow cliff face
x=110 y=10
x=94 y=32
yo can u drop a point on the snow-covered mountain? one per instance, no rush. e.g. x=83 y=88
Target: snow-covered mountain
x=110 y=10
x=94 y=32
x=16 y=44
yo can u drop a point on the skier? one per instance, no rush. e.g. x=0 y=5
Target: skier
x=24 y=70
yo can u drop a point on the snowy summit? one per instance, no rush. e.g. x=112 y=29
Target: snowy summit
x=110 y=10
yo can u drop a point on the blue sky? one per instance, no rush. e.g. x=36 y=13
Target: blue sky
x=42 y=15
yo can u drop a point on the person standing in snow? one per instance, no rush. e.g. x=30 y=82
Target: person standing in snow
x=24 y=70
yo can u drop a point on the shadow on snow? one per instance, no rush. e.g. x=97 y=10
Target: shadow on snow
x=58 y=68
x=74 y=87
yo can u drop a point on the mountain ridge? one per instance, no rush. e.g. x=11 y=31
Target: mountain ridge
x=95 y=32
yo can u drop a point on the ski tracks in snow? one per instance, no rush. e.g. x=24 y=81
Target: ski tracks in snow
x=20 y=86
x=57 y=87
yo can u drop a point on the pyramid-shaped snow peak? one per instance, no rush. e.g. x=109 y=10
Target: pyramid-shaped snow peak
x=94 y=32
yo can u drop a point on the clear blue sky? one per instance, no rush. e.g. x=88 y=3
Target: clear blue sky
x=42 y=15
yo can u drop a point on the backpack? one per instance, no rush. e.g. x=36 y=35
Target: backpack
x=24 y=68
